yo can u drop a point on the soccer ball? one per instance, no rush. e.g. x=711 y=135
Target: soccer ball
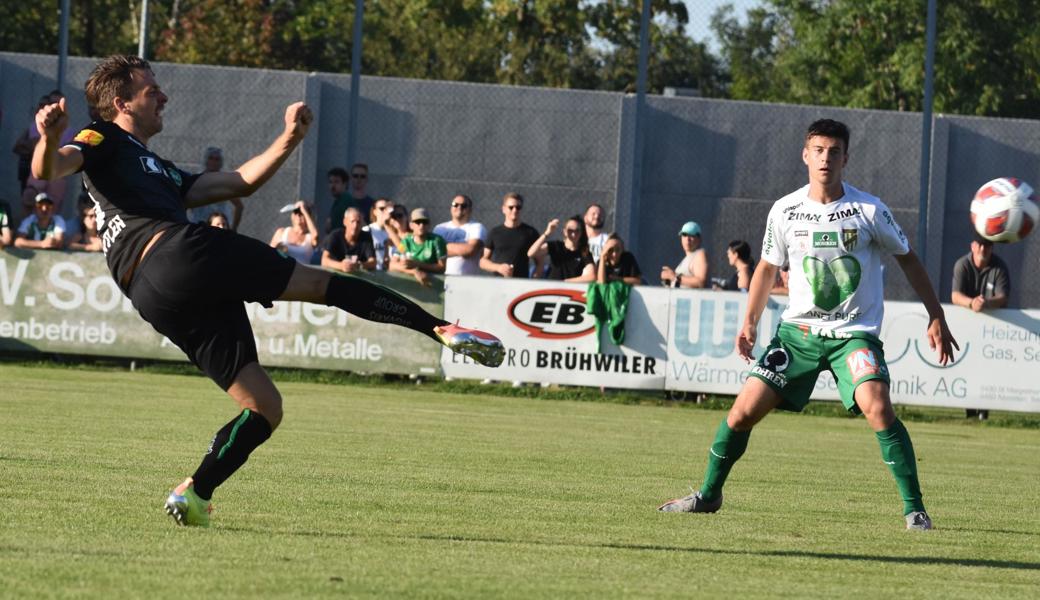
x=1004 y=210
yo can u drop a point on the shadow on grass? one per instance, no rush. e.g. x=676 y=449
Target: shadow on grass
x=913 y=560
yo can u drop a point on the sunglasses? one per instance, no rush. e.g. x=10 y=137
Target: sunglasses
x=513 y=207
x=574 y=231
x=420 y=221
x=687 y=235
x=459 y=205
x=359 y=176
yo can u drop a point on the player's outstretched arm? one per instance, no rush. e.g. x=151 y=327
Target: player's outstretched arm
x=48 y=161
x=214 y=187
x=758 y=295
x=939 y=336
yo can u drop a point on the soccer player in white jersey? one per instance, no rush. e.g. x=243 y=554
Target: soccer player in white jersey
x=832 y=235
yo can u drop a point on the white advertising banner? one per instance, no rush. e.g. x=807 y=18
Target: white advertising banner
x=550 y=338
x=997 y=350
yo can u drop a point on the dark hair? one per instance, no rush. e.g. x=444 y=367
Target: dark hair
x=978 y=239
x=338 y=172
x=742 y=249
x=829 y=128
x=583 y=236
x=465 y=200
x=112 y=78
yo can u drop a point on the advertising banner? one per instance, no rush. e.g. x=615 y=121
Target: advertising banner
x=550 y=338
x=67 y=302
x=997 y=350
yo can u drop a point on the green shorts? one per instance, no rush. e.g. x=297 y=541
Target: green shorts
x=796 y=357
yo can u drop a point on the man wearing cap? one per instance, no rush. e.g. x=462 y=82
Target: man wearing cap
x=424 y=252
x=981 y=281
x=980 y=278
x=42 y=230
x=692 y=272
x=213 y=162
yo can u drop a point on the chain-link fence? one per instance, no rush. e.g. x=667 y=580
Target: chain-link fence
x=720 y=163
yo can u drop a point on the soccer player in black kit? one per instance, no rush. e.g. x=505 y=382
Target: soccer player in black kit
x=190 y=281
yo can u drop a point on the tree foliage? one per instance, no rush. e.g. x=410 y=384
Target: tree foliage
x=870 y=54
x=856 y=53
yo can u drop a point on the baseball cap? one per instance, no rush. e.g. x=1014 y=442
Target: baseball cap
x=43 y=197
x=690 y=228
x=419 y=214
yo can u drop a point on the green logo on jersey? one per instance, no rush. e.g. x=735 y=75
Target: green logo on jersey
x=175 y=175
x=825 y=239
x=832 y=282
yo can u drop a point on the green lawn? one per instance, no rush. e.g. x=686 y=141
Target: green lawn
x=370 y=491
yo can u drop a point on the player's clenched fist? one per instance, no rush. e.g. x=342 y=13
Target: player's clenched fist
x=51 y=120
x=298 y=118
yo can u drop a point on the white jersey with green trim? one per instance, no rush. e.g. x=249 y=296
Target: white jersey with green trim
x=834 y=251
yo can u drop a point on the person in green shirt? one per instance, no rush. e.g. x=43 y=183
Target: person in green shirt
x=423 y=252
x=346 y=196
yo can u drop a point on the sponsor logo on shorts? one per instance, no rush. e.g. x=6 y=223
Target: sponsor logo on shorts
x=825 y=239
x=862 y=362
x=776 y=378
x=89 y=137
x=777 y=360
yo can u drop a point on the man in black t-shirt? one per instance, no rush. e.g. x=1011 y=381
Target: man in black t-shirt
x=349 y=248
x=981 y=281
x=506 y=251
x=980 y=278
x=190 y=281
x=617 y=264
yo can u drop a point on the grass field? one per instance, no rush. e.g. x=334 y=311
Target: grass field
x=369 y=491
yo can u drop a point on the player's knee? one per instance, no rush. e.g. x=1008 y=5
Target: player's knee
x=741 y=418
x=271 y=408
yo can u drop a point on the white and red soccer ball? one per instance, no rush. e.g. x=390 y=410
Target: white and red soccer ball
x=1004 y=210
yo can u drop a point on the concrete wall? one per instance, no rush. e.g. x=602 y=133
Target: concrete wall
x=721 y=163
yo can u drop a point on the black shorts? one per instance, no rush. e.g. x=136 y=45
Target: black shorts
x=192 y=287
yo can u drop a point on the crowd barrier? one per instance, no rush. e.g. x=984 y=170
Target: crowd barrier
x=674 y=339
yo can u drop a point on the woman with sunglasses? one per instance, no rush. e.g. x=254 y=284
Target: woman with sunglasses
x=377 y=218
x=570 y=259
x=300 y=238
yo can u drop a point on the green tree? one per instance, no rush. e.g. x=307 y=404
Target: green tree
x=870 y=54
x=675 y=59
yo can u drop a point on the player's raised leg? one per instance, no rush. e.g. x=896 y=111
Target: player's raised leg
x=897 y=451
x=374 y=302
x=755 y=400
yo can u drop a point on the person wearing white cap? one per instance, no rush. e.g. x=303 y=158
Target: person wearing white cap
x=692 y=272
x=42 y=230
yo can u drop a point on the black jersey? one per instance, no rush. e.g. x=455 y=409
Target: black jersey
x=136 y=193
